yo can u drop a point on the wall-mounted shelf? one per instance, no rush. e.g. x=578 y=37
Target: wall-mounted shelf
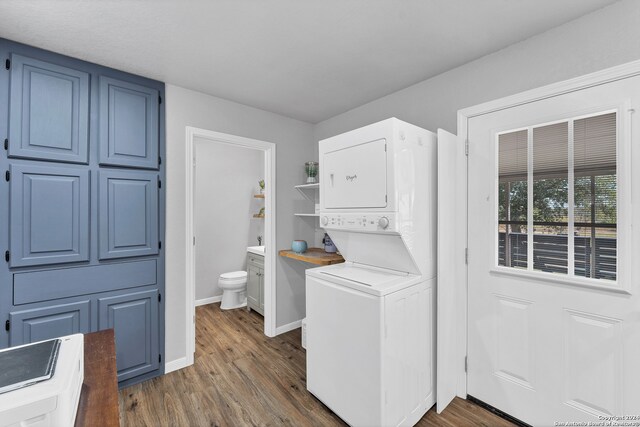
x=259 y=196
x=308 y=191
x=307 y=214
x=315 y=256
x=258 y=215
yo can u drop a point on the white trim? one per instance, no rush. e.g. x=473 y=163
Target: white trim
x=210 y=300
x=289 y=327
x=563 y=279
x=174 y=365
x=269 y=149
x=594 y=79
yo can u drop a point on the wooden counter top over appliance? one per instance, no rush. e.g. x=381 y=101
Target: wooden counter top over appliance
x=99 y=395
x=313 y=256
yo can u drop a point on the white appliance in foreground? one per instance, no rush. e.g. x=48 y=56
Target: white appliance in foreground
x=371 y=321
x=53 y=402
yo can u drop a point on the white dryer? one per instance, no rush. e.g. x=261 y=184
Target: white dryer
x=371 y=321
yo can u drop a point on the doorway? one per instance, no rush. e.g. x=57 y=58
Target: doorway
x=553 y=332
x=266 y=213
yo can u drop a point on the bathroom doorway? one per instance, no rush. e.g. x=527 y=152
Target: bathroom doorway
x=228 y=213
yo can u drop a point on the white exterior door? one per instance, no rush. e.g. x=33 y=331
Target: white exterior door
x=554 y=320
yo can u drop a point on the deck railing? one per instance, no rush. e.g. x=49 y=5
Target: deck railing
x=550 y=253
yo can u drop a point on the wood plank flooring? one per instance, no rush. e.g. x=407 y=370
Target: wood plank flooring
x=242 y=378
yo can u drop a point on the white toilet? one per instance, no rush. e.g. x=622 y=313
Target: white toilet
x=234 y=289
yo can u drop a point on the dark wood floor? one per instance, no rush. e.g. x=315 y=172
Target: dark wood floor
x=242 y=378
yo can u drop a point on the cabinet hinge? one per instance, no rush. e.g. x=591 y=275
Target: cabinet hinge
x=466 y=256
x=159 y=99
x=7 y=256
x=159 y=184
x=159 y=297
x=159 y=244
x=7 y=64
x=159 y=160
x=159 y=358
x=466 y=364
x=6 y=143
x=7 y=325
x=7 y=176
x=466 y=147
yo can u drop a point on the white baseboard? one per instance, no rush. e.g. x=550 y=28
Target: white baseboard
x=174 y=365
x=290 y=327
x=209 y=300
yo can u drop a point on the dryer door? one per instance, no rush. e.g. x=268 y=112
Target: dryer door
x=355 y=177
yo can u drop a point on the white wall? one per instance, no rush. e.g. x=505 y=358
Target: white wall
x=602 y=39
x=294 y=146
x=226 y=179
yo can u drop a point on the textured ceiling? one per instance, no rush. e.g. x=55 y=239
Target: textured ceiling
x=305 y=59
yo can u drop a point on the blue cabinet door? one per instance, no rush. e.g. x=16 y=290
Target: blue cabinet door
x=48 y=111
x=49 y=215
x=128 y=213
x=39 y=324
x=134 y=318
x=128 y=118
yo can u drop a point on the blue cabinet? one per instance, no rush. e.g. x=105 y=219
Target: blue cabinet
x=48 y=111
x=44 y=323
x=128 y=124
x=49 y=215
x=81 y=204
x=128 y=213
x=134 y=317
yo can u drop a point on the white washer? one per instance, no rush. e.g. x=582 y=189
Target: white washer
x=370 y=352
x=370 y=322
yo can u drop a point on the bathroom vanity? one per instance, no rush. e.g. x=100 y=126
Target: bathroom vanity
x=255 y=282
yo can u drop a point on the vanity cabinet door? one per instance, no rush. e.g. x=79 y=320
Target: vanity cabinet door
x=253 y=287
x=261 y=290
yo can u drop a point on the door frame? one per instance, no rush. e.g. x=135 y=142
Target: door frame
x=269 y=150
x=597 y=78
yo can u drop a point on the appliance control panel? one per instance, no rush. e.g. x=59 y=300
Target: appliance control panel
x=358 y=221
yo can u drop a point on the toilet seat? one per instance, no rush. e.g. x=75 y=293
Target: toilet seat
x=233 y=278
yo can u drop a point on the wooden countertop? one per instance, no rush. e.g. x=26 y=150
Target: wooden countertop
x=99 y=396
x=313 y=256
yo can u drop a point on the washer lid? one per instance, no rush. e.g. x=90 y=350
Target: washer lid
x=372 y=280
x=234 y=275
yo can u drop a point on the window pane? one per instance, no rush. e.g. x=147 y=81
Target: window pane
x=512 y=199
x=595 y=196
x=550 y=197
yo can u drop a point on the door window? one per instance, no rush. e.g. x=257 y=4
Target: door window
x=555 y=181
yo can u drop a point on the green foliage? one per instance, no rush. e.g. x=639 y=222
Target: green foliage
x=550 y=199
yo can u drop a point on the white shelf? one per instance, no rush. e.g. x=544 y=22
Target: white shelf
x=308 y=186
x=307 y=214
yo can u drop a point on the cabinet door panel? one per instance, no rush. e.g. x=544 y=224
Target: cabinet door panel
x=261 y=287
x=134 y=318
x=48 y=111
x=253 y=286
x=40 y=324
x=128 y=214
x=128 y=124
x=49 y=215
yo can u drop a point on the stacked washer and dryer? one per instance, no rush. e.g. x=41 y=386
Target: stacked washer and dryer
x=371 y=320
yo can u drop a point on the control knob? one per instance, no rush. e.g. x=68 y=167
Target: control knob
x=383 y=222
x=324 y=220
